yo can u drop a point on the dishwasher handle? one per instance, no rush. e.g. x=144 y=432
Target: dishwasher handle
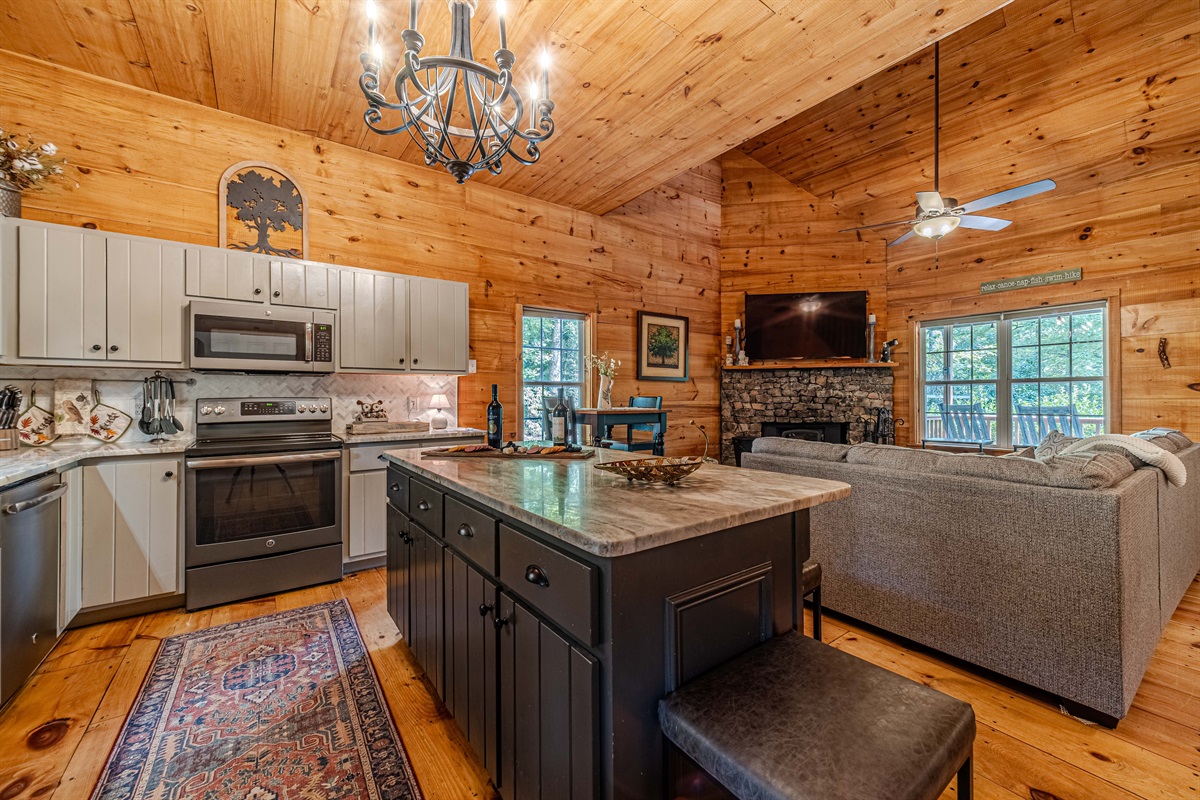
x=16 y=508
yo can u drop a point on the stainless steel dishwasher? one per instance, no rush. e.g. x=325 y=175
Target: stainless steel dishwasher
x=29 y=535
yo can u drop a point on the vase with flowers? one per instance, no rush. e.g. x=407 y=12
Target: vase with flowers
x=24 y=164
x=607 y=367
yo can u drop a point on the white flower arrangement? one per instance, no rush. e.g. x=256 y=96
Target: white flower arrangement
x=603 y=364
x=27 y=165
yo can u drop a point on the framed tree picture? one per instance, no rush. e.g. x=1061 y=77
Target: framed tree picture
x=263 y=210
x=662 y=347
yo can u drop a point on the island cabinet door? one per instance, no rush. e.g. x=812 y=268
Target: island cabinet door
x=427 y=605
x=399 y=572
x=471 y=658
x=549 y=711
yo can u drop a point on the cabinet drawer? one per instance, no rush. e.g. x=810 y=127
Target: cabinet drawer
x=561 y=587
x=425 y=505
x=397 y=489
x=472 y=532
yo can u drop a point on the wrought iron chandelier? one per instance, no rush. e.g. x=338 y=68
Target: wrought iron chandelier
x=463 y=114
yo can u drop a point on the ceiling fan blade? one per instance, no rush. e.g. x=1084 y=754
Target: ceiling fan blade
x=1009 y=195
x=878 y=225
x=906 y=236
x=930 y=201
x=983 y=223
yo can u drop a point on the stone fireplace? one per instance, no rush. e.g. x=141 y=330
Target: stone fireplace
x=830 y=402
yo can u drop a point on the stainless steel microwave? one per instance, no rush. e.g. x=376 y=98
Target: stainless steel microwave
x=257 y=338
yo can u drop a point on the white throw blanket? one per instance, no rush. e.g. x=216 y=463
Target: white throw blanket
x=1149 y=452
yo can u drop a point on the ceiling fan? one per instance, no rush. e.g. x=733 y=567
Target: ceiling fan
x=937 y=215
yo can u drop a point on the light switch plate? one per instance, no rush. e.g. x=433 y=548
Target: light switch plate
x=471 y=366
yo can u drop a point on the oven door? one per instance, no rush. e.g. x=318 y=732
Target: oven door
x=248 y=506
x=257 y=339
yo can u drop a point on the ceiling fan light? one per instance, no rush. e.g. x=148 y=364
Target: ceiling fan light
x=935 y=227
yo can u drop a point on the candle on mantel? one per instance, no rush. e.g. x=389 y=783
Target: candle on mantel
x=871 y=319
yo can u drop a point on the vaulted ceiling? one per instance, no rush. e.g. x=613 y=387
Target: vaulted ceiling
x=644 y=89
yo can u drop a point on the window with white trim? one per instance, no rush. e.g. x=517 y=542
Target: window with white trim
x=551 y=359
x=1005 y=380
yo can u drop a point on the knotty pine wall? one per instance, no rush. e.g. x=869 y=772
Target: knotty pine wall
x=1104 y=103
x=149 y=164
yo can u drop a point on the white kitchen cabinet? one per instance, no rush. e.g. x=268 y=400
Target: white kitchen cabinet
x=61 y=295
x=302 y=283
x=367 y=500
x=438 y=325
x=226 y=274
x=70 y=548
x=87 y=296
x=130 y=539
x=373 y=321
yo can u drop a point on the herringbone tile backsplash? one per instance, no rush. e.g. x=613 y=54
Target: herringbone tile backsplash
x=122 y=388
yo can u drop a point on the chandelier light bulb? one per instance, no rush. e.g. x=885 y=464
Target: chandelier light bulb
x=544 y=62
x=936 y=227
x=373 y=12
x=500 y=8
x=377 y=53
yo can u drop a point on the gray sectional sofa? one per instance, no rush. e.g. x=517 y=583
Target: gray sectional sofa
x=1059 y=574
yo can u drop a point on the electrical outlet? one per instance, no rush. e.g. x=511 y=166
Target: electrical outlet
x=412 y=405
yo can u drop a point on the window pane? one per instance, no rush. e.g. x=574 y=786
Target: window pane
x=1087 y=359
x=1087 y=326
x=1025 y=362
x=984 y=335
x=1056 y=328
x=985 y=364
x=935 y=366
x=570 y=366
x=531 y=331
x=960 y=394
x=1024 y=332
x=1056 y=361
x=1054 y=395
x=960 y=366
x=934 y=396
x=554 y=359
x=1088 y=398
x=570 y=334
x=960 y=337
x=531 y=368
x=935 y=340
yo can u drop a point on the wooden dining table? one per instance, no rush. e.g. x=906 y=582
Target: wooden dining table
x=603 y=420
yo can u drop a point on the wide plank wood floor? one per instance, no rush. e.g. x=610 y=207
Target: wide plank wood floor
x=56 y=734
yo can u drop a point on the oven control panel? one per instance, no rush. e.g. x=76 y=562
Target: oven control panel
x=263 y=409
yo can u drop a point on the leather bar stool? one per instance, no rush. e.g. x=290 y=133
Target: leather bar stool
x=795 y=719
x=810 y=582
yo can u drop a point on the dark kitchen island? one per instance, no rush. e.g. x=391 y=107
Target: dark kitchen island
x=552 y=605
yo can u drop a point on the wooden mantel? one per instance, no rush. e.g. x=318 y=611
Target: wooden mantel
x=820 y=363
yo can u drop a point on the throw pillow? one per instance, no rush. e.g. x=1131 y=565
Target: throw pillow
x=1024 y=452
x=800 y=448
x=1168 y=439
x=1054 y=443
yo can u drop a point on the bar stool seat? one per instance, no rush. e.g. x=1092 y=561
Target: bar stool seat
x=794 y=719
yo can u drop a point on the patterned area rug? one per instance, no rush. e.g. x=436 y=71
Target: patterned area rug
x=281 y=707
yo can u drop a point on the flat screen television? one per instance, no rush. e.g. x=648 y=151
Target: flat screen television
x=810 y=325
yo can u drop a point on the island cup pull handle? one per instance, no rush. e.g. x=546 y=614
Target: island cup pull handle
x=485 y=609
x=404 y=537
x=423 y=505
x=465 y=530
x=535 y=574
x=499 y=622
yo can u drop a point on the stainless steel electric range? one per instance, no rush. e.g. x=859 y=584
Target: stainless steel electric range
x=264 y=498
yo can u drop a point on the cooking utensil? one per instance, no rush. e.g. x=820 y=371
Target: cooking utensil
x=164 y=393
x=174 y=419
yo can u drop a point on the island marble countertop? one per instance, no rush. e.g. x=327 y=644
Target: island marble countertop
x=415 y=436
x=17 y=465
x=606 y=515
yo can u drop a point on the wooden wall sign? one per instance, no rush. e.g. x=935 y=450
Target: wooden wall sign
x=263 y=210
x=1030 y=281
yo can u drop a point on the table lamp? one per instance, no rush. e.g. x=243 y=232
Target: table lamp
x=439 y=402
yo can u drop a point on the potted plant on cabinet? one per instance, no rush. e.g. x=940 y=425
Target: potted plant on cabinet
x=24 y=166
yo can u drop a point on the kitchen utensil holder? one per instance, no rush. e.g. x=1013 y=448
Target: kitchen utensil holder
x=9 y=439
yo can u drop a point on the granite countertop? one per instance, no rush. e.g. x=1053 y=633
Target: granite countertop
x=606 y=515
x=416 y=436
x=17 y=465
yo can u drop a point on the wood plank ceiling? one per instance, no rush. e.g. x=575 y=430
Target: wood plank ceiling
x=644 y=89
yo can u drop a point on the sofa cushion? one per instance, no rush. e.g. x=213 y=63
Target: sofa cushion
x=1053 y=444
x=800 y=448
x=1092 y=471
x=1024 y=452
x=1167 y=438
x=893 y=457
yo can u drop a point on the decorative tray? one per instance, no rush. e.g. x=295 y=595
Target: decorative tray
x=564 y=455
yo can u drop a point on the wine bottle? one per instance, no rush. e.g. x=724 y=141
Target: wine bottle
x=559 y=423
x=495 y=421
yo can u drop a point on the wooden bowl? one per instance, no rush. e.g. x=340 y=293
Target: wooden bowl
x=660 y=470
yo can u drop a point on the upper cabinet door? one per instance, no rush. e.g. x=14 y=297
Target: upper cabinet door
x=299 y=283
x=438 y=325
x=61 y=293
x=373 y=318
x=226 y=274
x=145 y=300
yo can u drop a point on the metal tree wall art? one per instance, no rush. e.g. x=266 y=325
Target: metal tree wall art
x=263 y=210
